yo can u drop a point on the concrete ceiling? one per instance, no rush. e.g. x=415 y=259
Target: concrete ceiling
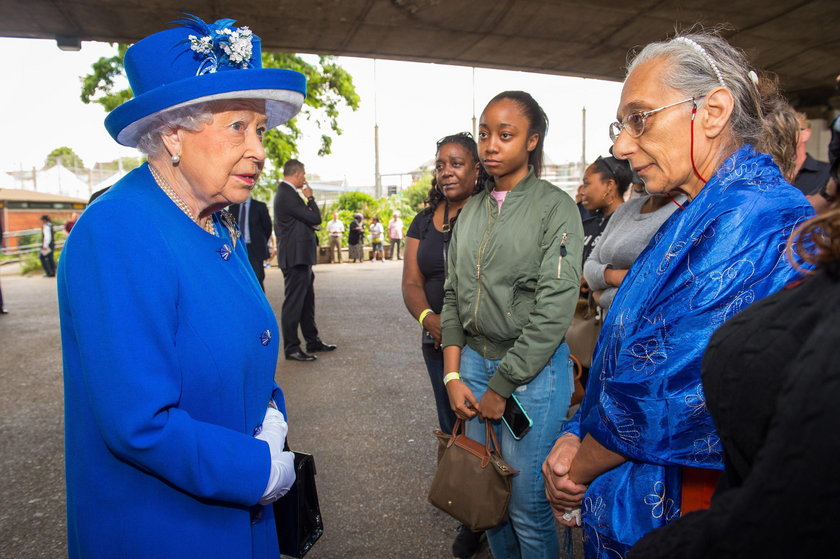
x=797 y=39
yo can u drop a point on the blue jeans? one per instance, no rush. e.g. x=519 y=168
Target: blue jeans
x=530 y=533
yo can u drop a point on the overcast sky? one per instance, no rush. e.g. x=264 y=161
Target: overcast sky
x=416 y=104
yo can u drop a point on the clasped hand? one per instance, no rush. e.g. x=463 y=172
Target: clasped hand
x=563 y=494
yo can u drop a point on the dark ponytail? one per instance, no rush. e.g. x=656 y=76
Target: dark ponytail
x=538 y=123
x=616 y=169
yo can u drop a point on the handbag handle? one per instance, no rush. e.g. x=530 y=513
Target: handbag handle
x=578 y=367
x=489 y=436
x=459 y=426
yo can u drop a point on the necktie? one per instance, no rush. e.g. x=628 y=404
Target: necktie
x=243 y=221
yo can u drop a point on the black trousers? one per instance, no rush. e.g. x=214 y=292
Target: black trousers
x=298 y=307
x=48 y=263
x=257 y=265
x=434 y=365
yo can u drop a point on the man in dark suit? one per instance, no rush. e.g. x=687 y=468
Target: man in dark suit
x=295 y=222
x=255 y=225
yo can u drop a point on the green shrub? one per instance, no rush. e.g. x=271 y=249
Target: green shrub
x=29 y=263
x=408 y=202
x=30 y=239
x=355 y=202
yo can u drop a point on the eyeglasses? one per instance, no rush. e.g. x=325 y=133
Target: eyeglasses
x=453 y=138
x=634 y=123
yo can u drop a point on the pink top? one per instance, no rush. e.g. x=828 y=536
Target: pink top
x=395 y=229
x=499 y=195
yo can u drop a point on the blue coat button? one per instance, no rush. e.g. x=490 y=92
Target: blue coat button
x=265 y=337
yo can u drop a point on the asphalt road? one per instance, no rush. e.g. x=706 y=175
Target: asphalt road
x=365 y=411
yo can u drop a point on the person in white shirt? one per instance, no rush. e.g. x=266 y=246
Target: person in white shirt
x=335 y=229
x=47 y=246
x=395 y=234
x=376 y=232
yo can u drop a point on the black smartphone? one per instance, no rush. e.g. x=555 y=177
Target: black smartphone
x=515 y=418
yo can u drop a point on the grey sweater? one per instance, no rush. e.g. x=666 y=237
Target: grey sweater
x=626 y=236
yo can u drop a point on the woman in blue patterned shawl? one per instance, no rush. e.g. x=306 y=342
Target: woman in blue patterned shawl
x=693 y=118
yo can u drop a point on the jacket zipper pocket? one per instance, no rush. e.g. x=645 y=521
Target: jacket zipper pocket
x=481 y=247
x=562 y=255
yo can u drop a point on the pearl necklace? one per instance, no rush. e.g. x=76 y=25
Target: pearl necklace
x=161 y=182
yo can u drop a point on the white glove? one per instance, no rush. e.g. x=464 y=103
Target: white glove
x=282 y=474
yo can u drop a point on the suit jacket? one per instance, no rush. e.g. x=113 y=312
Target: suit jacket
x=294 y=224
x=259 y=227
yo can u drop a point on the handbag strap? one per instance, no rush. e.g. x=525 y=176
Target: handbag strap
x=490 y=441
x=459 y=426
x=490 y=435
x=447 y=234
x=578 y=367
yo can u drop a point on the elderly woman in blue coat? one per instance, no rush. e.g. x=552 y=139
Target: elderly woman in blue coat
x=174 y=426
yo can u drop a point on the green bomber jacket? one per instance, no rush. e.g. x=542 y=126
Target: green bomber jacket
x=513 y=278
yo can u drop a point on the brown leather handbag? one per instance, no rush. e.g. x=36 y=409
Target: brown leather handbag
x=472 y=482
x=580 y=392
x=583 y=333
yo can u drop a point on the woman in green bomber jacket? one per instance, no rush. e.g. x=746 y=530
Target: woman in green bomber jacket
x=514 y=272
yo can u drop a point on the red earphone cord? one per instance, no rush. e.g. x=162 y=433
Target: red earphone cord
x=693 y=166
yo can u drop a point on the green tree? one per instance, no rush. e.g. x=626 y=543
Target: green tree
x=99 y=86
x=355 y=202
x=329 y=87
x=416 y=194
x=66 y=156
x=128 y=163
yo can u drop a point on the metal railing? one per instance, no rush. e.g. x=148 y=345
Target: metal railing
x=20 y=250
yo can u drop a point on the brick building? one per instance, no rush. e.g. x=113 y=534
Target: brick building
x=22 y=209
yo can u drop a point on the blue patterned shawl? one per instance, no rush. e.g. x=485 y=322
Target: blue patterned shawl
x=644 y=396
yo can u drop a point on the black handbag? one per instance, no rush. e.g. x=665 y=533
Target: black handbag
x=297 y=515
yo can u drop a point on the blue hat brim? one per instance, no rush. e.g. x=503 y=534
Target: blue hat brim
x=283 y=91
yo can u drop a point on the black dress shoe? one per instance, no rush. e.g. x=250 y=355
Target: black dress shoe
x=300 y=356
x=467 y=543
x=319 y=346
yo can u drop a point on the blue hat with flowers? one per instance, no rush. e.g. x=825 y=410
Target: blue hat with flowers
x=199 y=62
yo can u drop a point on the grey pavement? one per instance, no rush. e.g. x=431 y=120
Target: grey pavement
x=365 y=411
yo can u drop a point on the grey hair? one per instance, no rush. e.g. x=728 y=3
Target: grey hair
x=700 y=62
x=191 y=117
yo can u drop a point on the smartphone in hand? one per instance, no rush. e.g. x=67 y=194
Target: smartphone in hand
x=515 y=418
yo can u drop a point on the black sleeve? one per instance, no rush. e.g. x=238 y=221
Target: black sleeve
x=265 y=221
x=314 y=212
x=418 y=224
x=288 y=204
x=789 y=503
x=277 y=205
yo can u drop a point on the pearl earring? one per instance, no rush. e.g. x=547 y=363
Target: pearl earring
x=176 y=159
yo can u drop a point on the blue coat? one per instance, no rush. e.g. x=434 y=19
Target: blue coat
x=164 y=385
